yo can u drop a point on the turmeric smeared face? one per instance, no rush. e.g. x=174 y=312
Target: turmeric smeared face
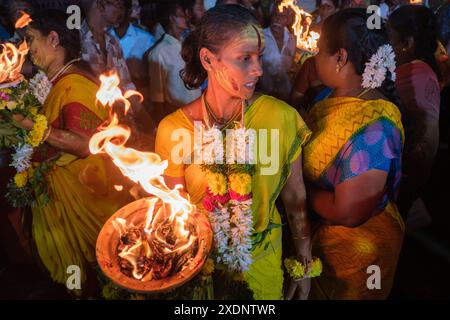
x=41 y=50
x=239 y=63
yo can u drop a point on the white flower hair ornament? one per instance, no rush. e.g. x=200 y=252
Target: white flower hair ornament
x=375 y=71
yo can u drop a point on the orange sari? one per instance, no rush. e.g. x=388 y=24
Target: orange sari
x=350 y=137
x=81 y=190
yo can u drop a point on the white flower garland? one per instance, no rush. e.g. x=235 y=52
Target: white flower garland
x=241 y=232
x=212 y=153
x=21 y=159
x=220 y=222
x=232 y=222
x=233 y=243
x=244 y=140
x=375 y=71
x=40 y=86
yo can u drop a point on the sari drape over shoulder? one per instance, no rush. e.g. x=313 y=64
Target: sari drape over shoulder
x=265 y=277
x=350 y=137
x=82 y=194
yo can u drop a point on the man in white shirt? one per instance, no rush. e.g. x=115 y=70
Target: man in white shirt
x=134 y=41
x=278 y=55
x=167 y=89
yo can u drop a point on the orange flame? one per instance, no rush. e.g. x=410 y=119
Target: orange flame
x=109 y=92
x=23 y=21
x=11 y=61
x=145 y=168
x=305 y=40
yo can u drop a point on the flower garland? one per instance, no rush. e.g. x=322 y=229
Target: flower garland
x=228 y=201
x=41 y=86
x=25 y=99
x=375 y=71
x=298 y=270
x=36 y=135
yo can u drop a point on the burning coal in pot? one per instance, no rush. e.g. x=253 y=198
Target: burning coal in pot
x=157 y=249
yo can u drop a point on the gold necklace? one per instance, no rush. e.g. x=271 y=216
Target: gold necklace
x=64 y=68
x=207 y=112
x=363 y=92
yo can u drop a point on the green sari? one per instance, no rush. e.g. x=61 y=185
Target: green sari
x=265 y=276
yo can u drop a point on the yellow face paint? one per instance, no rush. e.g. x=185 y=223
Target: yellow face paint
x=238 y=69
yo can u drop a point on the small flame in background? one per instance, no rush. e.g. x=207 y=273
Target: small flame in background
x=305 y=40
x=145 y=168
x=23 y=21
x=118 y=188
x=11 y=61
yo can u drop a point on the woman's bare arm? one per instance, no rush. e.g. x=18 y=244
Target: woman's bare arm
x=353 y=202
x=294 y=199
x=63 y=140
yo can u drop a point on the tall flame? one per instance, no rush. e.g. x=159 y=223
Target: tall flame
x=305 y=40
x=11 y=61
x=145 y=168
x=23 y=21
x=109 y=92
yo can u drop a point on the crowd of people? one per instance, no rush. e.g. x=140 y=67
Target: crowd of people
x=353 y=157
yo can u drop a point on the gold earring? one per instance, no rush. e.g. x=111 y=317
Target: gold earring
x=338 y=68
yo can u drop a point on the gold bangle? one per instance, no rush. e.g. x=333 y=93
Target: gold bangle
x=49 y=130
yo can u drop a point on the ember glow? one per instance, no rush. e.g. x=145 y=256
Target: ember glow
x=11 y=61
x=305 y=40
x=165 y=241
x=23 y=21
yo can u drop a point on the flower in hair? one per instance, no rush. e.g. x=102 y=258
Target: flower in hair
x=376 y=69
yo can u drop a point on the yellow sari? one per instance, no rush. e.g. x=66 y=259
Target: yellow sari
x=265 y=276
x=81 y=191
x=348 y=253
